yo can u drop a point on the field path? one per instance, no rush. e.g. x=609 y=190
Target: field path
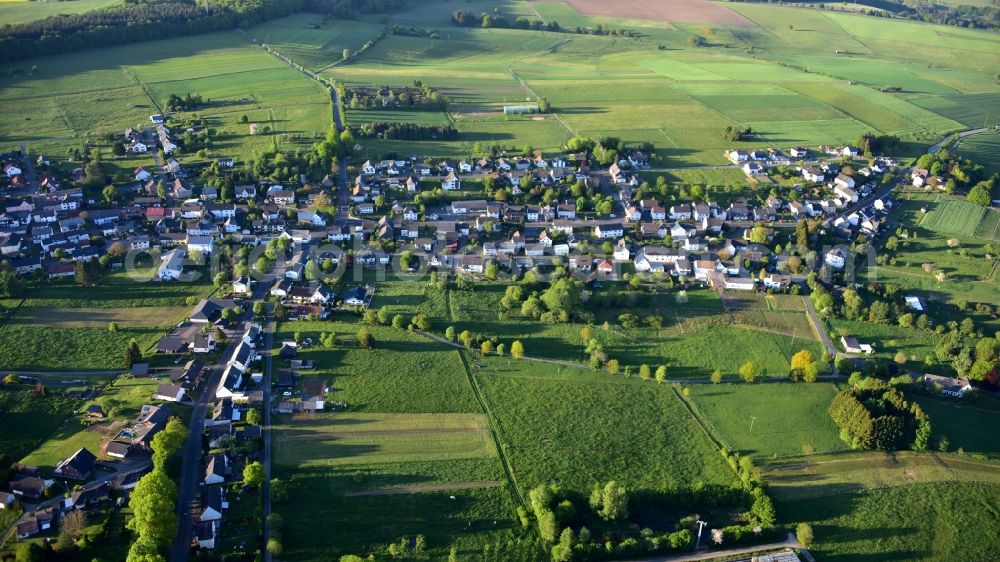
x=416 y=489
x=733 y=553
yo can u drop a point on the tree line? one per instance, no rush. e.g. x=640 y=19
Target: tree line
x=131 y=23
x=406 y=131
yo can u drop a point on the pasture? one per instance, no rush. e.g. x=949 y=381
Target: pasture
x=788 y=418
x=404 y=373
x=953 y=216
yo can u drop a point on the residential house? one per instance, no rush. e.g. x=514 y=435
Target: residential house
x=955 y=388
x=851 y=345
x=78 y=466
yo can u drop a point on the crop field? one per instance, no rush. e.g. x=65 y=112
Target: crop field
x=903 y=523
x=788 y=418
x=384 y=438
x=21 y=11
x=577 y=427
x=953 y=216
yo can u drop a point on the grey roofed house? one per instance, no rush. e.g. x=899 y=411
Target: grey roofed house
x=78 y=466
x=171 y=344
x=285 y=378
x=949 y=386
x=223 y=410
x=118 y=449
x=129 y=480
x=30 y=487
x=91 y=493
x=208 y=310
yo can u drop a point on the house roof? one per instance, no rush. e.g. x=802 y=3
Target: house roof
x=78 y=466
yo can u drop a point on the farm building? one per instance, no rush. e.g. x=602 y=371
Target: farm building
x=520 y=109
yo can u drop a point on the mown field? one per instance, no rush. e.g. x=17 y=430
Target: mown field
x=963 y=423
x=787 y=418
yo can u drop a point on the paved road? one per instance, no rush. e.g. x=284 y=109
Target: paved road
x=191 y=469
x=29 y=170
x=266 y=347
x=789 y=543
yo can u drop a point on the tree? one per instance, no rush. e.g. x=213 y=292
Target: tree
x=501 y=349
x=253 y=474
x=152 y=503
x=492 y=270
x=398 y=321
x=254 y=417
x=109 y=194
x=449 y=333
x=364 y=339
x=612 y=501
x=980 y=194
x=516 y=349
x=716 y=377
x=259 y=309
x=645 y=373
x=11 y=378
x=132 y=354
x=167 y=442
x=28 y=552
x=749 y=371
x=811 y=372
x=661 y=374
x=486 y=347
x=274 y=547
x=612 y=366
x=804 y=534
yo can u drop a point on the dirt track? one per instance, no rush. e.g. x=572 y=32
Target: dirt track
x=474 y=485
x=683 y=11
x=329 y=434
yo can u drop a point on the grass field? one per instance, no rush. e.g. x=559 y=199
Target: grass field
x=963 y=424
x=20 y=11
x=577 y=428
x=26 y=420
x=413 y=455
x=925 y=522
x=830 y=475
x=787 y=418
x=67 y=349
x=954 y=216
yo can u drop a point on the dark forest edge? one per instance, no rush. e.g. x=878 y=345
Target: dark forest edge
x=146 y=20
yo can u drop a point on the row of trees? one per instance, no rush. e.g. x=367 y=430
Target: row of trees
x=153 y=502
x=130 y=23
x=187 y=103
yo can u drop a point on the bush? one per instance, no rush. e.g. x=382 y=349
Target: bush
x=804 y=534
